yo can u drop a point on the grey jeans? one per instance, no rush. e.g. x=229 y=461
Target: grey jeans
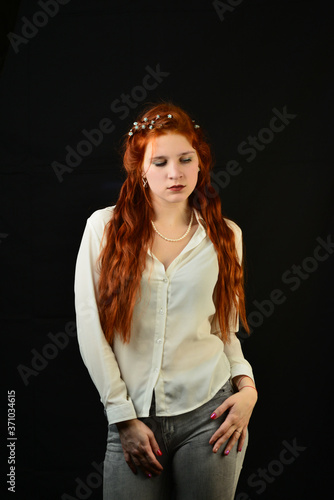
x=191 y=470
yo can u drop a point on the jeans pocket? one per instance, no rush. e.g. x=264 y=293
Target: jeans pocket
x=224 y=392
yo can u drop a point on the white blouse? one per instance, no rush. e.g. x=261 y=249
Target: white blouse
x=174 y=350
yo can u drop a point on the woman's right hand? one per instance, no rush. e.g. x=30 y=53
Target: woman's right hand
x=139 y=446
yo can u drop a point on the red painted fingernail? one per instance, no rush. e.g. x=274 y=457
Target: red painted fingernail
x=149 y=475
x=227 y=452
x=213 y=415
x=239 y=449
x=159 y=452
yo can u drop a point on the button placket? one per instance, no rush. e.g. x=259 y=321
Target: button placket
x=163 y=287
x=160 y=325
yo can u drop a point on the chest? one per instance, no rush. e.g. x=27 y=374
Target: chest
x=167 y=251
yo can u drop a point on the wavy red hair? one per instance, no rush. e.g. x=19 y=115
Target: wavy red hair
x=129 y=233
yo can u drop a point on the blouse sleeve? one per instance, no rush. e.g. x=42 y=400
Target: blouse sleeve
x=94 y=348
x=239 y=365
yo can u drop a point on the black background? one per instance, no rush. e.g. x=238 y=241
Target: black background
x=229 y=71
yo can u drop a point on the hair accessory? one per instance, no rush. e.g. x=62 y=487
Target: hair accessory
x=145 y=124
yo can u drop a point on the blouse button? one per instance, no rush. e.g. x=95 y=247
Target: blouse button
x=165 y=280
x=159 y=341
x=161 y=311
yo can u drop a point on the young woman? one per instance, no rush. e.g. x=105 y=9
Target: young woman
x=159 y=291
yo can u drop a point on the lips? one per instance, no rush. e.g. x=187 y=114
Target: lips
x=178 y=186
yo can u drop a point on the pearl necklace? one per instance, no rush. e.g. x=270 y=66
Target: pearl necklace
x=175 y=239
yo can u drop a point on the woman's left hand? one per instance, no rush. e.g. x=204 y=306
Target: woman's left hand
x=234 y=427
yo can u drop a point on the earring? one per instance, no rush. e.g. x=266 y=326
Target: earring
x=199 y=169
x=144 y=182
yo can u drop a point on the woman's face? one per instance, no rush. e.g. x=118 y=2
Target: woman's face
x=171 y=168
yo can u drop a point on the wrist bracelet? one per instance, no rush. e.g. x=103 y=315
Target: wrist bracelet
x=248 y=386
x=244 y=376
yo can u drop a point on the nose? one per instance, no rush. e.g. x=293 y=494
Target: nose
x=175 y=171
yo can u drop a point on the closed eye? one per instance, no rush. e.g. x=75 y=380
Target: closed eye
x=160 y=163
x=163 y=162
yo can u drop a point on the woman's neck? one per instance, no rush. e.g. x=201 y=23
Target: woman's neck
x=171 y=214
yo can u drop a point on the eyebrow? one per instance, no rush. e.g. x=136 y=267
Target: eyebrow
x=181 y=154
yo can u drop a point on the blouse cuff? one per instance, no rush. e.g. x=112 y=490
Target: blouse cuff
x=242 y=369
x=120 y=413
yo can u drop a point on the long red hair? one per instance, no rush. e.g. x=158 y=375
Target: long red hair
x=129 y=233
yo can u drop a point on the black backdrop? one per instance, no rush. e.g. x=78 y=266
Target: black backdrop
x=256 y=76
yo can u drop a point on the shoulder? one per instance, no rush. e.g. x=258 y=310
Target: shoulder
x=237 y=237
x=99 y=219
x=230 y=223
x=235 y=228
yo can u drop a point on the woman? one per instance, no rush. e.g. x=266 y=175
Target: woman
x=159 y=292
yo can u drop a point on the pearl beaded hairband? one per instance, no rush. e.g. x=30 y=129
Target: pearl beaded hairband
x=150 y=124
